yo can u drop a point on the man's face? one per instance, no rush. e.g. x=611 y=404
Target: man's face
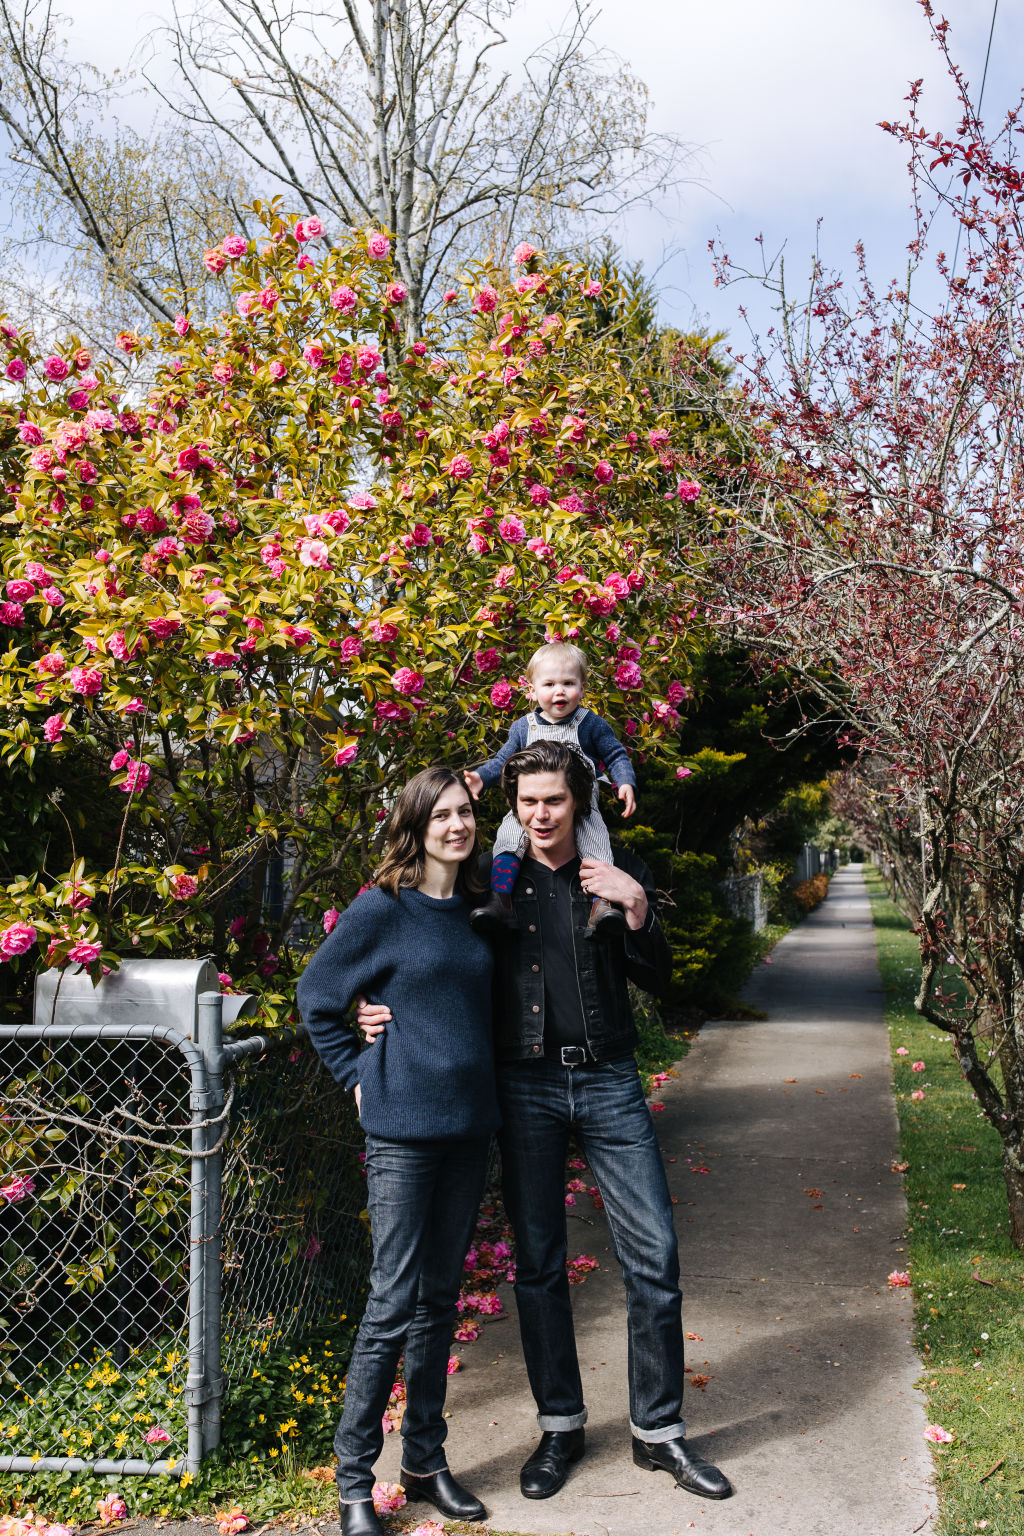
x=545 y=808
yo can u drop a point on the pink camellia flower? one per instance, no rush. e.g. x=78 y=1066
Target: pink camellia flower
x=18 y=1187
x=245 y=303
x=156 y=1435
x=369 y=358
x=313 y=354
x=30 y=434
x=658 y=438
x=181 y=324
x=346 y=755
x=388 y=1497
x=16 y=369
x=937 y=1435
x=512 y=530
x=918 y=1094
x=77 y=400
x=223 y=372
x=84 y=953
x=504 y=576
x=42 y=459
x=133 y=707
x=124 y=341
x=378 y=246
x=501 y=694
x=677 y=693
x=486 y=301
x=331 y=919
x=917 y=1066
x=603 y=472
x=407 y=682
x=234 y=246
x=461 y=467
x=268 y=297
x=478 y=544
x=312 y=228
x=162 y=629
x=628 y=675
x=20 y=590
x=590 y=290
x=53 y=729
x=901 y=1050
x=899 y=1277
x=523 y=253
x=231 y=1521
x=297 y=635
x=222 y=659
x=539 y=495
x=351 y=648
x=344 y=299
x=449 y=296
x=55 y=369
x=396 y=293
x=487 y=661
x=688 y=490
x=183 y=887
x=617 y=584
x=684 y=773
x=18 y=939
x=100 y=420
x=277 y=370
x=384 y=634
x=85 y=680
x=314 y=552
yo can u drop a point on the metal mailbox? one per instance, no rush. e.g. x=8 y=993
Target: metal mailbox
x=136 y=992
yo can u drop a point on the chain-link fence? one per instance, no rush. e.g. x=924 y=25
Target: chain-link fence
x=141 y=1166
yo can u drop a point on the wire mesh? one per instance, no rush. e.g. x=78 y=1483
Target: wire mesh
x=94 y=1247
x=105 y=1143
x=295 y=1244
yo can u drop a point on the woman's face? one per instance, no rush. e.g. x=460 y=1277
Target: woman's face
x=451 y=827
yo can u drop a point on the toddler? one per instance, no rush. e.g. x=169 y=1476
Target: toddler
x=558 y=675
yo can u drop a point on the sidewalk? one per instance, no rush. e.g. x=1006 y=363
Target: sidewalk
x=778 y=1139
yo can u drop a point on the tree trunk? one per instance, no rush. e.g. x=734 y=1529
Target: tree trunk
x=1015 y=1199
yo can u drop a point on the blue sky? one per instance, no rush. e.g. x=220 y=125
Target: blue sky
x=782 y=97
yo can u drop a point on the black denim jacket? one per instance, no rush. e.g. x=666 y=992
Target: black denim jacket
x=643 y=957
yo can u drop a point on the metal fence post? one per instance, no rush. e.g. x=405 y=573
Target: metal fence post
x=210 y=1040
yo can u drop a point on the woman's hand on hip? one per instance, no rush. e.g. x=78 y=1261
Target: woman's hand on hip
x=371 y=1017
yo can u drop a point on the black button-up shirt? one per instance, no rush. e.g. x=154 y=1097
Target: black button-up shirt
x=563 y=1003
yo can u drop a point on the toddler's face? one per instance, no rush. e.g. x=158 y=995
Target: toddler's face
x=558 y=690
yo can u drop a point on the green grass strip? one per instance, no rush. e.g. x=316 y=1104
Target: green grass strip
x=968 y=1280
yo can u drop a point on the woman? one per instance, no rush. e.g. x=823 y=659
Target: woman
x=426 y=1100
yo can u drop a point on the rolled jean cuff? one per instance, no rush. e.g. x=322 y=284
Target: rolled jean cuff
x=562 y=1421
x=659 y=1436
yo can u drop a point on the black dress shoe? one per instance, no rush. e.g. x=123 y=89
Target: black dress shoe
x=547 y=1469
x=690 y=1471
x=606 y=921
x=360 y=1519
x=441 y=1490
x=497 y=915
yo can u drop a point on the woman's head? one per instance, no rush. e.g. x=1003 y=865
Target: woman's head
x=432 y=821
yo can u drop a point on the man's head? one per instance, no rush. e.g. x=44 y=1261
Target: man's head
x=548 y=786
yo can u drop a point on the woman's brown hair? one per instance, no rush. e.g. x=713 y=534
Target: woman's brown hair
x=404 y=861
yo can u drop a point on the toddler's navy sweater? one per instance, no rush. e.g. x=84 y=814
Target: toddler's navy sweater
x=431 y=1073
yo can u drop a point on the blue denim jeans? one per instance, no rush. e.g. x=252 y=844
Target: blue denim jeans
x=541 y=1101
x=423 y=1202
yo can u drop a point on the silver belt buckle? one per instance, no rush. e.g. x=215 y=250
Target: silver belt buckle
x=573 y=1055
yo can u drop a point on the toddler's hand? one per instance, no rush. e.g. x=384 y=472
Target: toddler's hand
x=475 y=784
x=627 y=794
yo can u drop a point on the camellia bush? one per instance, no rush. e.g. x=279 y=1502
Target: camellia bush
x=280 y=562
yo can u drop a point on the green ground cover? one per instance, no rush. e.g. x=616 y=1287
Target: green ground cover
x=968 y=1280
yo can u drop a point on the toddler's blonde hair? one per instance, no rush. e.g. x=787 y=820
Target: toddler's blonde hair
x=558 y=652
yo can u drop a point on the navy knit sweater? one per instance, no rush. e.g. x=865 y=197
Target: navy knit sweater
x=431 y=1073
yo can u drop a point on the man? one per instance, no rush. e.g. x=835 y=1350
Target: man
x=564 y=1039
